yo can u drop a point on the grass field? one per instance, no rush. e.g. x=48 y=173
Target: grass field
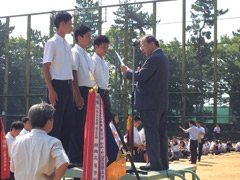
x=216 y=167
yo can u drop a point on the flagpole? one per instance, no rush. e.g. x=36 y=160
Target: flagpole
x=132 y=128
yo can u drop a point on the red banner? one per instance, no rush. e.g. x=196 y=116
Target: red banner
x=94 y=155
x=5 y=170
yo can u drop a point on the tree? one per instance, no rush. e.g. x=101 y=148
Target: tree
x=200 y=79
x=229 y=68
x=88 y=14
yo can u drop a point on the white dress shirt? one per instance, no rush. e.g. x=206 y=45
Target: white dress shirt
x=136 y=139
x=217 y=130
x=58 y=52
x=193 y=132
x=114 y=130
x=10 y=140
x=36 y=153
x=23 y=131
x=82 y=64
x=201 y=130
x=101 y=71
x=142 y=135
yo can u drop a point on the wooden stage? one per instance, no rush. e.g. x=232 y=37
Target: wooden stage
x=174 y=171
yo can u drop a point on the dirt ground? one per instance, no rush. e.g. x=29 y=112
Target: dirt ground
x=216 y=167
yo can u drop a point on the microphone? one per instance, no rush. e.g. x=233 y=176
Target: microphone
x=134 y=41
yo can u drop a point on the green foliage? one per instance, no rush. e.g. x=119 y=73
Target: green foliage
x=200 y=61
x=229 y=70
x=88 y=15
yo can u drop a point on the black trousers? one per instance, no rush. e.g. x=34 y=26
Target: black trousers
x=193 y=150
x=77 y=136
x=112 y=148
x=200 y=146
x=155 y=126
x=63 y=113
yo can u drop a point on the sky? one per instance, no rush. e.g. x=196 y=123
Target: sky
x=170 y=14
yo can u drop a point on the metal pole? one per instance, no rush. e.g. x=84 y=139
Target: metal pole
x=5 y=81
x=132 y=130
x=51 y=32
x=183 y=61
x=215 y=62
x=154 y=18
x=100 y=21
x=28 y=65
x=125 y=59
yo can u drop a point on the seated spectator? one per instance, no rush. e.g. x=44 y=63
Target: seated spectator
x=37 y=155
x=139 y=148
x=170 y=153
x=176 y=149
x=214 y=149
x=114 y=130
x=229 y=145
x=221 y=146
x=179 y=137
x=183 y=149
x=237 y=147
x=187 y=144
x=206 y=147
x=27 y=127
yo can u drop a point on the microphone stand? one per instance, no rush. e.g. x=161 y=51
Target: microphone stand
x=133 y=169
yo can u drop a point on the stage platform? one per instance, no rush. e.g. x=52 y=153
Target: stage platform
x=174 y=171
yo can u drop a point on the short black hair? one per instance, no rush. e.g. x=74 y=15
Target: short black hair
x=150 y=38
x=100 y=39
x=16 y=125
x=25 y=119
x=61 y=16
x=192 y=122
x=137 y=118
x=198 y=121
x=39 y=114
x=80 y=30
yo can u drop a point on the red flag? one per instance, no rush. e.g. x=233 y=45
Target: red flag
x=5 y=170
x=94 y=154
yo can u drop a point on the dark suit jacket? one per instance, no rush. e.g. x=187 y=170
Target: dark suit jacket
x=151 y=92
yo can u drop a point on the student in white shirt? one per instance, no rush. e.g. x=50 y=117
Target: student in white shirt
x=57 y=70
x=101 y=74
x=27 y=127
x=139 y=148
x=200 y=139
x=37 y=155
x=114 y=130
x=217 y=132
x=193 y=136
x=82 y=83
x=15 y=129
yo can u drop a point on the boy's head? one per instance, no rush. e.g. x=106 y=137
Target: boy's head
x=16 y=128
x=115 y=116
x=191 y=123
x=198 y=123
x=101 y=44
x=26 y=123
x=82 y=35
x=41 y=116
x=137 y=121
x=63 y=20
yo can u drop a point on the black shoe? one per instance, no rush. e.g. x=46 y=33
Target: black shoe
x=199 y=160
x=193 y=163
x=150 y=168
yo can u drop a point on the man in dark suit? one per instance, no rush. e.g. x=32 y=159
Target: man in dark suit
x=151 y=99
